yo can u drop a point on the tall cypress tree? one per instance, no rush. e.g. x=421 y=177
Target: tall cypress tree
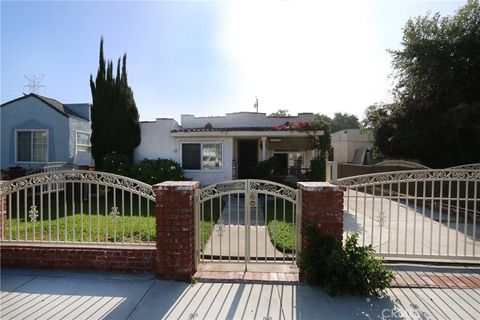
x=115 y=119
x=99 y=93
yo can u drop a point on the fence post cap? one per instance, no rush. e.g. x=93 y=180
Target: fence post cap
x=177 y=185
x=318 y=186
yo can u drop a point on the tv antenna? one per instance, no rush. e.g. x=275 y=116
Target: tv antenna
x=256 y=104
x=34 y=81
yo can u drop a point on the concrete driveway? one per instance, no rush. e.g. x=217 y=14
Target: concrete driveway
x=27 y=294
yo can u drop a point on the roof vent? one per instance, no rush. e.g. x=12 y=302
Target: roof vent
x=208 y=126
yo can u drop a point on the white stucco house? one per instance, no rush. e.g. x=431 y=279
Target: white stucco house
x=213 y=149
x=351 y=146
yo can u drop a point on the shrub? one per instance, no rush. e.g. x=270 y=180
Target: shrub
x=317 y=170
x=351 y=269
x=116 y=163
x=282 y=235
x=270 y=170
x=158 y=170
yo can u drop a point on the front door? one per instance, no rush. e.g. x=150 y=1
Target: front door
x=247 y=158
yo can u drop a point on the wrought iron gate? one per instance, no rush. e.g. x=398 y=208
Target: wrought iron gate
x=247 y=221
x=416 y=214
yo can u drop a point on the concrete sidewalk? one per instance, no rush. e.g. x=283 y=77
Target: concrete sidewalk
x=28 y=294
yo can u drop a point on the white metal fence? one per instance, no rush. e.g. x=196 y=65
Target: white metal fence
x=247 y=221
x=78 y=206
x=416 y=214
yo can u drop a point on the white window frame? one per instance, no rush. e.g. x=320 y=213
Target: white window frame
x=85 y=145
x=31 y=146
x=201 y=143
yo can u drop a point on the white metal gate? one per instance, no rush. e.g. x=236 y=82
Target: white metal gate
x=247 y=221
x=416 y=214
x=78 y=206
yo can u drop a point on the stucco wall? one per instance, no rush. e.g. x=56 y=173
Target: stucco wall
x=76 y=124
x=31 y=113
x=345 y=142
x=157 y=141
x=241 y=119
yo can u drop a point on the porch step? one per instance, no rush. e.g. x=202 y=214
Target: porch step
x=247 y=277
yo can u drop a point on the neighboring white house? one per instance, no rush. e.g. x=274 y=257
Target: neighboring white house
x=351 y=146
x=213 y=149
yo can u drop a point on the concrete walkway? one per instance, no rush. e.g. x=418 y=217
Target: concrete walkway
x=229 y=233
x=80 y=295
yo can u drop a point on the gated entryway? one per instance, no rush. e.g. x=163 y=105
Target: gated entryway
x=247 y=221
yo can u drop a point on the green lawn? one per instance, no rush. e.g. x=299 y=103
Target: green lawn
x=87 y=221
x=280 y=224
x=86 y=228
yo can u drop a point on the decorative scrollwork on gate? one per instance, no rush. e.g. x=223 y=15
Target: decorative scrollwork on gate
x=80 y=176
x=275 y=189
x=410 y=176
x=223 y=187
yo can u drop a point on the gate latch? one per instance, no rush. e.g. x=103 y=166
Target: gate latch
x=253 y=199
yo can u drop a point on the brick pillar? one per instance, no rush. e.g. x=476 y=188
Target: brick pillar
x=175 y=257
x=322 y=207
x=3 y=215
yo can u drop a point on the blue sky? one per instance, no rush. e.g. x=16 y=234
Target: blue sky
x=212 y=57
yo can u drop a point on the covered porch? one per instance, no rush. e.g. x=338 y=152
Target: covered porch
x=290 y=153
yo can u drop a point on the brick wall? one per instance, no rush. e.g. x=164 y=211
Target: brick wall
x=175 y=206
x=322 y=207
x=135 y=259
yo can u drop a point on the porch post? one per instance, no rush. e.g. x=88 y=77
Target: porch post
x=175 y=213
x=264 y=148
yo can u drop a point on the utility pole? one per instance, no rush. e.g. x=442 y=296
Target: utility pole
x=256 y=104
x=34 y=83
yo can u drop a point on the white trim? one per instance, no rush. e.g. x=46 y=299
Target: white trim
x=76 y=139
x=201 y=143
x=31 y=145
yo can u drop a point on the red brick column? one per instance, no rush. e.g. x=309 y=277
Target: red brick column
x=175 y=258
x=322 y=207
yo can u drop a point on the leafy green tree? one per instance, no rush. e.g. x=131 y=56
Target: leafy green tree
x=342 y=121
x=280 y=113
x=115 y=119
x=435 y=117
